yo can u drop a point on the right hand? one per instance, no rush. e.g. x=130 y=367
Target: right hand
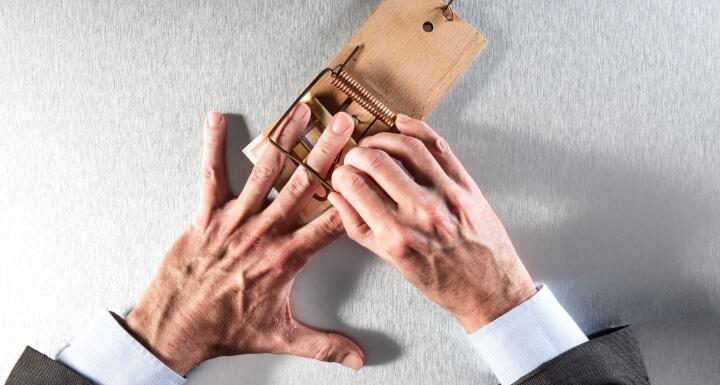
x=429 y=220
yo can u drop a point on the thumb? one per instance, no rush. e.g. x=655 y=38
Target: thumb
x=324 y=346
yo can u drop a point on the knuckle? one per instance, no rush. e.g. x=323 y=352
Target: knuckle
x=414 y=145
x=286 y=135
x=210 y=172
x=255 y=235
x=352 y=181
x=324 y=351
x=356 y=183
x=356 y=233
x=398 y=241
x=441 y=145
x=461 y=202
x=398 y=250
x=213 y=140
x=262 y=173
x=248 y=243
x=333 y=224
x=213 y=238
x=253 y=242
x=430 y=213
x=377 y=158
x=324 y=148
x=299 y=183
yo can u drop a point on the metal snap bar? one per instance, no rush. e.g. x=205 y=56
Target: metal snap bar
x=447 y=11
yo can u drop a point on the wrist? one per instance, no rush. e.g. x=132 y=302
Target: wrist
x=164 y=339
x=490 y=307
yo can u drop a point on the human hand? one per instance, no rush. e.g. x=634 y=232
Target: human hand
x=428 y=219
x=223 y=286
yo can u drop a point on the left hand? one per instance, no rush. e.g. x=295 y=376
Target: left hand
x=406 y=197
x=223 y=287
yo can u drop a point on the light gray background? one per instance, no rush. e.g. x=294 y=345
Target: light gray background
x=591 y=126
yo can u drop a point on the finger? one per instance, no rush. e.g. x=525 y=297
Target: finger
x=214 y=190
x=324 y=346
x=302 y=185
x=437 y=146
x=412 y=153
x=270 y=163
x=374 y=207
x=310 y=238
x=386 y=172
x=352 y=222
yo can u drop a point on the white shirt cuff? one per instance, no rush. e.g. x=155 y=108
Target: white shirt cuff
x=534 y=332
x=107 y=354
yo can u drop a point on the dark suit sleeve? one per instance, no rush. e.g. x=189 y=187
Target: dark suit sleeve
x=610 y=357
x=35 y=368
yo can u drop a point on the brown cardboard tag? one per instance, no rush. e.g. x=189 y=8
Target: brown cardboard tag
x=404 y=66
x=407 y=68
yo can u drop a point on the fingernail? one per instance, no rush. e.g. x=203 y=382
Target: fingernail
x=341 y=123
x=334 y=178
x=402 y=118
x=298 y=113
x=352 y=361
x=331 y=198
x=214 y=119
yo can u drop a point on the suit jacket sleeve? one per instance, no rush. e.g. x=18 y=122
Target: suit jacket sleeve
x=35 y=368
x=610 y=357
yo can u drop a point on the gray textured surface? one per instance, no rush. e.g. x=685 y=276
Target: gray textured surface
x=593 y=127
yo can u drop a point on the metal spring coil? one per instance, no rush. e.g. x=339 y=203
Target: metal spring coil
x=360 y=95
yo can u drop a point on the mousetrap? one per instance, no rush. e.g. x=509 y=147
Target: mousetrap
x=403 y=59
